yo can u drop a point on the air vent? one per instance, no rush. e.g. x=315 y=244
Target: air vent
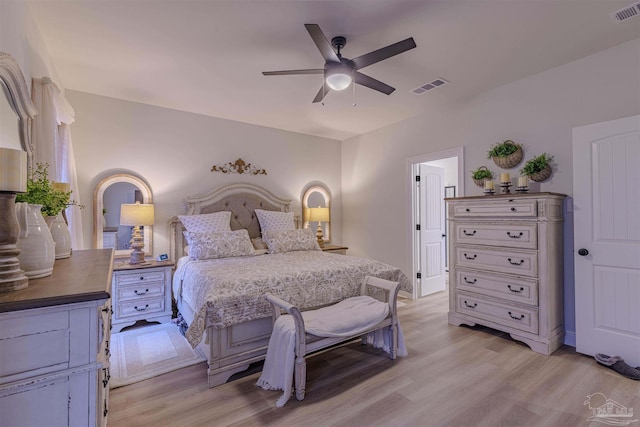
x=429 y=86
x=626 y=13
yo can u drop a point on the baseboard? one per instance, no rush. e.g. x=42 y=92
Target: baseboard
x=570 y=338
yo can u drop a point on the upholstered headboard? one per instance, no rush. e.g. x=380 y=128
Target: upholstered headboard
x=241 y=199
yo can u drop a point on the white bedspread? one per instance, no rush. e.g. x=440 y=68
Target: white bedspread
x=230 y=291
x=344 y=319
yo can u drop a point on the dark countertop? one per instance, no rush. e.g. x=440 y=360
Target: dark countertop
x=84 y=276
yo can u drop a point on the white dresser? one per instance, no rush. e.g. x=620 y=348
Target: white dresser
x=141 y=292
x=54 y=346
x=506 y=269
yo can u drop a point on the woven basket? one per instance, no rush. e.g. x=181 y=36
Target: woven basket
x=543 y=175
x=510 y=161
x=480 y=182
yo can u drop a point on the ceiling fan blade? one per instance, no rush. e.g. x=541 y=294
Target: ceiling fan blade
x=293 y=72
x=322 y=43
x=324 y=90
x=383 y=53
x=372 y=83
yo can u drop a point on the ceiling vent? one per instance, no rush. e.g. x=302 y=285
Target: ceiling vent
x=429 y=86
x=628 y=12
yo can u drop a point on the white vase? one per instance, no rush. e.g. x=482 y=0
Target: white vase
x=37 y=249
x=61 y=236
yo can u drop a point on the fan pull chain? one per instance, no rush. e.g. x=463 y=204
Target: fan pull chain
x=353 y=83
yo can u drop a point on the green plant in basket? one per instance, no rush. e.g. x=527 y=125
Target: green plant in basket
x=41 y=191
x=537 y=164
x=503 y=149
x=481 y=173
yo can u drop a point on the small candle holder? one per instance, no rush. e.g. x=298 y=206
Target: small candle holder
x=522 y=189
x=505 y=187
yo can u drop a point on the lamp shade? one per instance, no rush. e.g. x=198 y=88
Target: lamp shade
x=136 y=214
x=318 y=215
x=13 y=170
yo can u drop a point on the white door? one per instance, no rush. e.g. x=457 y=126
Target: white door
x=606 y=190
x=432 y=231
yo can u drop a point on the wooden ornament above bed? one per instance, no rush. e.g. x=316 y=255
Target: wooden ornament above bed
x=239 y=167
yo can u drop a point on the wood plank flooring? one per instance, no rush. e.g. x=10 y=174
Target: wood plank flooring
x=454 y=376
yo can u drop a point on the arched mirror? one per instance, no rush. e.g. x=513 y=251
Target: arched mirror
x=16 y=108
x=316 y=195
x=109 y=194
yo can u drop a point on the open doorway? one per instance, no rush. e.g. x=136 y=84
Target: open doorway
x=433 y=177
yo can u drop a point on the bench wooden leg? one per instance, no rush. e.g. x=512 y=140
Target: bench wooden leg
x=300 y=376
x=393 y=331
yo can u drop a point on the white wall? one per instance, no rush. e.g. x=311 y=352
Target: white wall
x=174 y=151
x=538 y=112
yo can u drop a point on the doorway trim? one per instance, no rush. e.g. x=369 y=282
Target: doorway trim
x=412 y=165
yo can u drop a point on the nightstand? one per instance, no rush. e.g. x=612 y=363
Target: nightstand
x=335 y=249
x=140 y=292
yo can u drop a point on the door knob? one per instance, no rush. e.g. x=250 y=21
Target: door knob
x=583 y=252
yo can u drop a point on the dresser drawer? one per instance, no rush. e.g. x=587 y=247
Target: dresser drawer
x=496 y=208
x=515 y=289
x=524 y=319
x=140 y=277
x=514 y=235
x=139 y=307
x=504 y=261
x=138 y=290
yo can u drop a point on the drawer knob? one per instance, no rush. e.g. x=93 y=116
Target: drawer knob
x=141 y=277
x=473 y=233
x=513 y=209
x=514 y=235
x=470 y=282
x=583 y=252
x=515 y=262
x=516 y=291
x=468 y=210
x=474 y=305
x=143 y=308
x=141 y=293
x=470 y=257
x=516 y=317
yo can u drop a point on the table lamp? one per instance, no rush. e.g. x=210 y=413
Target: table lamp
x=13 y=179
x=319 y=215
x=136 y=215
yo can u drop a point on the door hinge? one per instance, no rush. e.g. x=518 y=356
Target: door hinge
x=417 y=227
x=417 y=178
x=419 y=275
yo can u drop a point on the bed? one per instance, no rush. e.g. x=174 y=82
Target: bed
x=222 y=299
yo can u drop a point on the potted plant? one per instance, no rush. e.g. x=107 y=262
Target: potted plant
x=480 y=175
x=505 y=155
x=538 y=169
x=41 y=191
x=52 y=199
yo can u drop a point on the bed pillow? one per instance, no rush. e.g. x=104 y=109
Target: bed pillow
x=275 y=220
x=215 y=222
x=279 y=241
x=219 y=245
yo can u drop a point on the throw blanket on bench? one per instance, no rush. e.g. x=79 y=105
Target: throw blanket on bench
x=347 y=318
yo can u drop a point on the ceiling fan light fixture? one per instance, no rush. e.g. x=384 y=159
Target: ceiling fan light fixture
x=338 y=77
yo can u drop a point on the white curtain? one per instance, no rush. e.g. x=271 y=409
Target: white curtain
x=51 y=136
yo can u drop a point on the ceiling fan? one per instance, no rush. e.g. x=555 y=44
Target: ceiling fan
x=338 y=71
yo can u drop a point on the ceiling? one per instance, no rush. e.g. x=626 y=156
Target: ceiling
x=206 y=57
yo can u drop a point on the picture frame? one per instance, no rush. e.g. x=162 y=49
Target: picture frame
x=450 y=191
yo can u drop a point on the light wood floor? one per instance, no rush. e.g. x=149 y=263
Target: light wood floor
x=454 y=376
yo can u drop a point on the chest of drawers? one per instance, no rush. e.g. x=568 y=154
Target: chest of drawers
x=506 y=267
x=141 y=292
x=54 y=346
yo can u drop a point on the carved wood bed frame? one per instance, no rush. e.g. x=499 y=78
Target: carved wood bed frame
x=231 y=349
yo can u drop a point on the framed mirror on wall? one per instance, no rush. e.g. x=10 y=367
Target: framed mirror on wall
x=316 y=195
x=110 y=193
